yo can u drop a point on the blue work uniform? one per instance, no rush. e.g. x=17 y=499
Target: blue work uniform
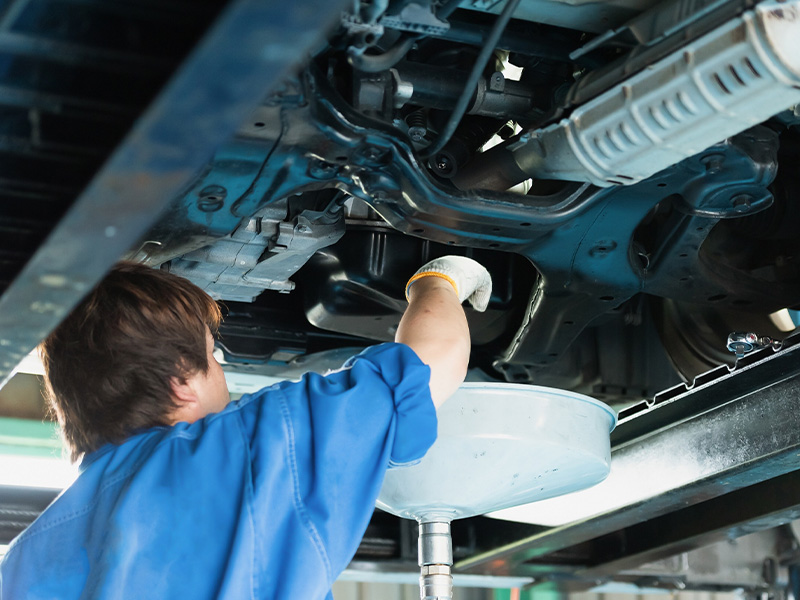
x=267 y=499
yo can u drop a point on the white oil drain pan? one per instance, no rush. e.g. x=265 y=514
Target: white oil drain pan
x=502 y=445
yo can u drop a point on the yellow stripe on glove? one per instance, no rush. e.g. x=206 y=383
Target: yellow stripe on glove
x=447 y=278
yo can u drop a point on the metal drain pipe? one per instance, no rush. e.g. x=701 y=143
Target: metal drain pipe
x=738 y=75
x=435 y=559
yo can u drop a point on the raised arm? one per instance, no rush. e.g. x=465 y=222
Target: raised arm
x=434 y=325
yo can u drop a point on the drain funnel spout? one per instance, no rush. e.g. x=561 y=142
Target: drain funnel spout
x=435 y=560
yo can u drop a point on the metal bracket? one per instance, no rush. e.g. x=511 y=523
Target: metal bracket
x=742 y=343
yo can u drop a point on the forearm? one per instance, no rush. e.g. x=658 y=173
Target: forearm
x=435 y=327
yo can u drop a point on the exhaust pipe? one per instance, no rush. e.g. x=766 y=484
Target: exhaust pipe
x=730 y=79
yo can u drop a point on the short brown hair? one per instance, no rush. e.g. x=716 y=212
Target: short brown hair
x=109 y=365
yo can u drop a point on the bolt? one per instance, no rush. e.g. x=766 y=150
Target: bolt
x=742 y=203
x=303 y=229
x=211 y=198
x=444 y=164
x=321 y=169
x=713 y=162
x=372 y=154
x=741 y=343
x=417 y=134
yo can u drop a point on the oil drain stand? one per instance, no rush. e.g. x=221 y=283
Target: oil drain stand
x=499 y=445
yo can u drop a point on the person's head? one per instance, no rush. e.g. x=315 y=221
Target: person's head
x=135 y=353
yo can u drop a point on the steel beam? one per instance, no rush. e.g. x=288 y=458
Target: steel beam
x=748 y=437
x=718 y=386
x=245 y=53
x=756 y=508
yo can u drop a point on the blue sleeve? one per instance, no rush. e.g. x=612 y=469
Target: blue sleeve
x=339 y=434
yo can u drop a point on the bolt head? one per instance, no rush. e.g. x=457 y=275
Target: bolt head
x=713 y=162
x=443 y=164
x=211 y=198
x=417 y=134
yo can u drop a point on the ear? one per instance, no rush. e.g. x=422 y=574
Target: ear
x=183 y=392
x=188 y=403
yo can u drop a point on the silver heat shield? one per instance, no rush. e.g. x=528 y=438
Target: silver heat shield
x=736 y=76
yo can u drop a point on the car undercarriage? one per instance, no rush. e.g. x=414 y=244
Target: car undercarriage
x=626 y=170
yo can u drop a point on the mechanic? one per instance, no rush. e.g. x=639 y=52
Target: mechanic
x=185 y=495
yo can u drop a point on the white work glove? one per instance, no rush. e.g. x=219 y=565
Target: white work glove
x=470 y=279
